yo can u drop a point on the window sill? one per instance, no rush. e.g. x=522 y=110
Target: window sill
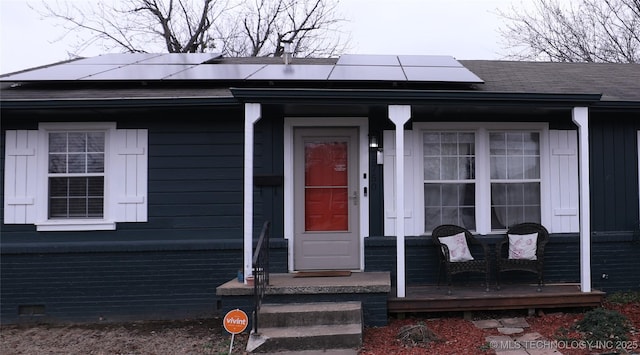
x=75 y=225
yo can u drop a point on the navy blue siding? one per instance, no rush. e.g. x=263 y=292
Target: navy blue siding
x=170 y=266
x=614 y=255
x=614 y=173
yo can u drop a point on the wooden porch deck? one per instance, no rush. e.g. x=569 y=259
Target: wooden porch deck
x=510 y=297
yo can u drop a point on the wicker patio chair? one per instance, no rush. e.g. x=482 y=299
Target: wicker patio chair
x=477 y=265
x=504 y=263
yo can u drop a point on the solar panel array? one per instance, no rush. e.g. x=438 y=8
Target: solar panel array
x=202 y=66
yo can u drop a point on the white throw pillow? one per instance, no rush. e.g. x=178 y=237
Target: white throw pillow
x=458 y=249
x=523 y=246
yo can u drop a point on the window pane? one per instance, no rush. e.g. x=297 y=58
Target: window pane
x=432 y=218
x=518 y=159
x=513 y=203
x=77 y=142
x=497 y=144
x=68 y=152
x=77 y=207
x=77 y=163
x=515 y=161
x=449 y=157
x=514 y=143
x=57 y=163
x=58 y=208
x=95 y=206
x=449 y=169
x=498 y=194
x=432 y=196
x=515 y=168
x=532 y=143
x=498 y=167
x=515 y=194
x=531 y=194
x=449 y=204
x=95 y=163
x=449 y=194
x=466 y=168
x=467 y=144
x=58 y=187
x=77 y=187
x=532 y=167
x=449 y=143
x=76 y=197
x=432 y=168
x=57 y=142
x=532 y=214
x=95 y=187
x=95 y=142
x=468 y=217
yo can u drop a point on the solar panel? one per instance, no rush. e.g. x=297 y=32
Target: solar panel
x=367 y=73
x=61 y=72
x=140 y=72
x=364 y=59
x=428 y=61
x=116 y=58
x=181 y=58
x=292 y=72
x=188 y=66
x=217 y=72
x=441 y=74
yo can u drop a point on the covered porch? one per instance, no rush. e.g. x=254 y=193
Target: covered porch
x=395 y=193
x=430 y=298
x=379 y=298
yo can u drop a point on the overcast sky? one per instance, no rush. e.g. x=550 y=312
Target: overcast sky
x=465 y=29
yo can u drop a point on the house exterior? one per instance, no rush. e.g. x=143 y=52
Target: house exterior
x=134 y=184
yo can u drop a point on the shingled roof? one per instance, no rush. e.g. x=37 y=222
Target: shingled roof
x=617 y=83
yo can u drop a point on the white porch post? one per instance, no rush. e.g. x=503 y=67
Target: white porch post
x=251 y=116
x=399 y=115
x=581 y=118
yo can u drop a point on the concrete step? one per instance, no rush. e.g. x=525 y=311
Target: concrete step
x=318 y=337
x=304 y=314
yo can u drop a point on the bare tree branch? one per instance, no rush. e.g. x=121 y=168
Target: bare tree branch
x=233 y=27
x=584 y=30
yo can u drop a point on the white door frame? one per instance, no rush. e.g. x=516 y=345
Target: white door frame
x=362 y=123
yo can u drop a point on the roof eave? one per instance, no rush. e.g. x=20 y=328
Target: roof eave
x=368 y=96
x=119 y=102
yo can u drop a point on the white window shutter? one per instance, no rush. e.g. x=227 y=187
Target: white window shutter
x=20 y=183
x=564 y=182
x=129 y=175
x=389 y=144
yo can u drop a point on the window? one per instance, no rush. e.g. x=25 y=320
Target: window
x=449 y=179
x=515 y=178
x=484 y=176
x=75 y=176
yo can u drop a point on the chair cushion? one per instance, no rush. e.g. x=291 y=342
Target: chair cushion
x=458 y=248
x=523 y=246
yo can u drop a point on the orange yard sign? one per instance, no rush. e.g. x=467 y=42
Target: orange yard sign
x=235 y=321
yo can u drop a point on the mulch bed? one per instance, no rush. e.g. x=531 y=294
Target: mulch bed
x=454 y=335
